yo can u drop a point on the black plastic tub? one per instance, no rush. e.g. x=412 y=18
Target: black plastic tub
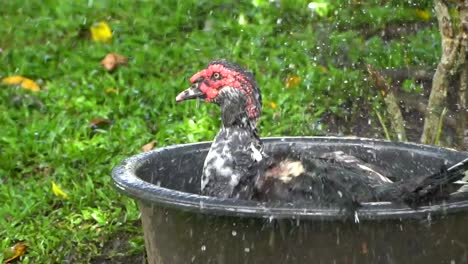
x=181 y=226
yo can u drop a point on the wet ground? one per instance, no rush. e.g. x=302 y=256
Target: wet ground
x=114 y=250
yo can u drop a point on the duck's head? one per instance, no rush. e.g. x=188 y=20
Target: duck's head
x=228 y=85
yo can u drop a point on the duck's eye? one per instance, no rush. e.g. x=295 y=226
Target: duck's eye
x=216 y=76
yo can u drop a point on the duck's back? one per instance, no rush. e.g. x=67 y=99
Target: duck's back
x=331 y=178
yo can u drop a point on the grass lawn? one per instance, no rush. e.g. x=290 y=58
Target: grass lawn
x=310 y=64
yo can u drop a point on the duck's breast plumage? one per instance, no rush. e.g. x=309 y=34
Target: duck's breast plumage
x=231 y=164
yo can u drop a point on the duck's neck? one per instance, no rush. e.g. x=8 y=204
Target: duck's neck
x=231 y=164
x=234 y=111
x=237 y=123
x=232 y=118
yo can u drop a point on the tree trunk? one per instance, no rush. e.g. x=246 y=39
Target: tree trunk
x=453 y=56
x=462 y=107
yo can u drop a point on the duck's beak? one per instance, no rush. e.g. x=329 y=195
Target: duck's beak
x=192 y=92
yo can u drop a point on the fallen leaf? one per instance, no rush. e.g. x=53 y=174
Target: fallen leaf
x=112 y=91
x=272 y=105
x=292 y=81
x=323 y=69
x=99 y=123
x=423 y=14
x=59 y=192
x=21 y=81
x=149 y=146
x=112 y=61
x=101 y=32
x=16 y=251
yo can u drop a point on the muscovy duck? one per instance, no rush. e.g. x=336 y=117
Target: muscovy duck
x=237 y=167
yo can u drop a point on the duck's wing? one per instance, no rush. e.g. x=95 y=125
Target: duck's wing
x=417 y=190
x=334 y=177
x=372 y=174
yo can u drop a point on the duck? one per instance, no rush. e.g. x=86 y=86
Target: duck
x=238 y=166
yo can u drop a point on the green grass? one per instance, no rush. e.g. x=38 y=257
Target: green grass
x=46 y=136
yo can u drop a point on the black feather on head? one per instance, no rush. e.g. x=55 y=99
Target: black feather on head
x=247 y=74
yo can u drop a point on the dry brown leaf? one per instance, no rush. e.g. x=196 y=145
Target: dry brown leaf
x=149 y=146
x=112 y=61
x=16 y=251
x=99 y=123
x=21 y=81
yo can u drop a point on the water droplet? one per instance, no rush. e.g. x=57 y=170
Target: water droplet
x=234 y=233
x=270 y=219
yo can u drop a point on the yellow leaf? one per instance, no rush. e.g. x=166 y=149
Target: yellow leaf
x=423 y=14
x=59 y=192
x=16 y=251
x=323 y=69
x=101 y=32
x=292 y=81
x=111 y=90
x=23 y=82
x=272 y=105
x=13 y=80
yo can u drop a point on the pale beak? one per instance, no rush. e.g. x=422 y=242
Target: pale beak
x=192 y=92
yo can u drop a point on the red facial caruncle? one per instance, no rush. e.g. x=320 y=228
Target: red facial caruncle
x=217 y=76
